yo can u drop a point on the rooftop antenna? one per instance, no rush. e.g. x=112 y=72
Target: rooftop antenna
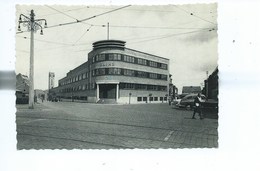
x=108 y=31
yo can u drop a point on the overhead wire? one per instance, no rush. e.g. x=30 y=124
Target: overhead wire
x=169 y=36
x=65 y=14
x=45 y=41
x=192 y=14
x=151 y=27
x=82 y=35
x=61 y=12
x=64 y=11
x=80 y=21
x=95 y=7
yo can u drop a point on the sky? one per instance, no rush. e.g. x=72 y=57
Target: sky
x=185 y=34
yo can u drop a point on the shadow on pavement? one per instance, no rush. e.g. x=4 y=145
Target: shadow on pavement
x=210 y=113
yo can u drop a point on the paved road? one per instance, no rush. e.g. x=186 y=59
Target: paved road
x=67 y=125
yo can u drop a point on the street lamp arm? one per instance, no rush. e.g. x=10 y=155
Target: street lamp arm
x=38 y=25
x=39 y=20
x=20 y=18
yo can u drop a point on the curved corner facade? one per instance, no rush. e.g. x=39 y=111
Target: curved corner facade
x=116 y=73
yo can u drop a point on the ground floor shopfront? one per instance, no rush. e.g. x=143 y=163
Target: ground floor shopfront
x=116 y=92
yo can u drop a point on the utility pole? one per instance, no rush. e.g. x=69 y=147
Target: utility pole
x=32 y=26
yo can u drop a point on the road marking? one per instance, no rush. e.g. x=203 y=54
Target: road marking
x=33 y=121
x=168 y=136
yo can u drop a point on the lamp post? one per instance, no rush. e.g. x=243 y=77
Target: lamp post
x=32 y=25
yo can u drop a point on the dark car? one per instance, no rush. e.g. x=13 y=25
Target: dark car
x=188 y=101
x=55 y=99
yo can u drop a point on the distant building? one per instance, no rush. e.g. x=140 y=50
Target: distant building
x=22 y=88
x=116 y=73
x=191 y=89
x=40 y=94
x=51 y=80
x=211 y=85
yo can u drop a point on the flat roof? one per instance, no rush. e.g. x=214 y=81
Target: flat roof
x=147 y=53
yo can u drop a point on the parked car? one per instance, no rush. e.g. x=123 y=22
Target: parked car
x=188 y=101
x=177 y=99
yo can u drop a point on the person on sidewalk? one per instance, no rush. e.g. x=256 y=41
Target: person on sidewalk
x=197 y=107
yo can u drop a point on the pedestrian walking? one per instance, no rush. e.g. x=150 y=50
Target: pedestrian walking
x=197 y=106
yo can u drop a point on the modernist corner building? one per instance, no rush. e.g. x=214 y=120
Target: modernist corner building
x=117 y=74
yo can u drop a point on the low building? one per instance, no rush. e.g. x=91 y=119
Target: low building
x=211 y=85
x=117 y=74
x=22 y=89
x=191 y=89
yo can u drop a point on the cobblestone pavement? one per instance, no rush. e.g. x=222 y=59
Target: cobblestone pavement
x=67 y=125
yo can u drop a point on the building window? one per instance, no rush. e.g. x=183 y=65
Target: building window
x=129 y=72
x=93 y=86
x=153 y=64
x=100 y=57
x=80 y=77
x=102 y=71
x=141 y=61
x=155 y=98
x=161 y=98
x=145 y=99
x=114 y=57
x=84 y=76
x=87 y=75
x=162 y=88
x=163 y=66
x=141 y=74
x=127 y=86
x=165 y=98
x=153 y=75
x=140 y=87
x=139 y=99
x=114 y=71
x=150 y=99
x=129 y=59
x=164 y=77
x=152 y=87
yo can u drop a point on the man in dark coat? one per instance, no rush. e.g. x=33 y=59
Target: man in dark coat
x=197 y=107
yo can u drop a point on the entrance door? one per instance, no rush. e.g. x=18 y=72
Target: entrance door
x=107 y=91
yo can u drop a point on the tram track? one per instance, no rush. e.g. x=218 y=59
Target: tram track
x=115 y=123
x=98 y=134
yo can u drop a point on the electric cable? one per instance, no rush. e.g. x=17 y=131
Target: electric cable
x=192 y=14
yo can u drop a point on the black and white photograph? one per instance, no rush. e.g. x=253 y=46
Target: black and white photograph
x=117 y=77
x=115 y=85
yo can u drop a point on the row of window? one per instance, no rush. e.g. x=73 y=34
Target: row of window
x=127 y=58
x=74 y=79
x=125 y=86
x=78 y=88
x=145 y=99
x=133 y=86
x=127 y=72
